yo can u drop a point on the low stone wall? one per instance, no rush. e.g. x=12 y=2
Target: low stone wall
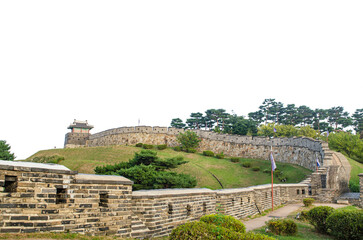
x=36 y=197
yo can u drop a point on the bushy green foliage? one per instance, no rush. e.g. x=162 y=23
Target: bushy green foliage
x=346 y=224
x=228 y=222
x=304 y=215
x=256 y=169
x=48 y=159
x=177 y=148
x=317 y=217
x=208 y=153
x=147 y=146
x=246 y=164
x=308 y=201
x=354 y=187
x=267 y=171
x=348 y=144
x=147 y=171
x=188 y=139
x=5 y=151
x=220 y=155
x=286 y=131
x=235 y=159
x=191 y=150
x=139 y=144
x=282 y=226
x=280 y=175
x=202 y=231
x=161 y=147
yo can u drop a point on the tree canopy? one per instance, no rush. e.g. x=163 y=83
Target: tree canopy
x=5 y=153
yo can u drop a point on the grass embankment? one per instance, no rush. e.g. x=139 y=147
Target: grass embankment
x=357 y=168
x=232 y=175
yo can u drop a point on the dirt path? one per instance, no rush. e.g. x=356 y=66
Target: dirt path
x=281 y=213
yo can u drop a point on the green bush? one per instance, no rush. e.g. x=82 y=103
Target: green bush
x=161 y=147
x=304 y=215
x=246 y=164
x=256 y=169
x=354 y=187
x=267 y=171
x=282 y=226
x=177 y=148
x=208 y=153
x=201 y=230
x=228 y=222
x=220 y=155
x=191 y=150
x=48 y=159
x=188 y=139
x=346 y=224
x=308 y=201
x=317 y=217
x=235 y=159
x=139 y=145
x=348 y=144
x=147 y=146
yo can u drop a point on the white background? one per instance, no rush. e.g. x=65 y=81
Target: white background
x=114 y=62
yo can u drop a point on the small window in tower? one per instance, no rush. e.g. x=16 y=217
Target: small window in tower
x=189 y=210
x=11 y=183
x=302 y=191
x=204 y=208
x=103 y=200
x=298 y=191
x=170 y=208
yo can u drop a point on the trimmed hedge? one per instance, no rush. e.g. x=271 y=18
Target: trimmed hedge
x=308 y=201
x=203 y=231
x=147 y=146
x=161 y=147
x=234 y=159
x=246 y=164
x=317 y=217
x=282 y=226
x=208 y=153
x=346 y=224
x=191 y=150
x=224 y=221
x=139 y=145
x=177 y=148
x=256 y=169
x=220 y=155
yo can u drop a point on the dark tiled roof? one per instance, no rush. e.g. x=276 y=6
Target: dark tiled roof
x=80 y=124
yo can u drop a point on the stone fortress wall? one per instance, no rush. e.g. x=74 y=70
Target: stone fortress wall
x=36 y=197
x=302 y=151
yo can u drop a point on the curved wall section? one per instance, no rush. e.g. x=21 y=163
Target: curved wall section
x=302 y=151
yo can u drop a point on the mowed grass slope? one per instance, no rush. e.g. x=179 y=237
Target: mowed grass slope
x=232 y=175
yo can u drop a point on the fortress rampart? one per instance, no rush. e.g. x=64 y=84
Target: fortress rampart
x=36 y=197
x=302 y=151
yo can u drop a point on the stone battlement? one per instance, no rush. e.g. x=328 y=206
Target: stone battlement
x=36 y=197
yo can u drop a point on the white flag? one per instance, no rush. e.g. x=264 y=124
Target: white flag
x=273 y=165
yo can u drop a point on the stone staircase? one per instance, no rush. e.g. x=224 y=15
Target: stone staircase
x=138 y=229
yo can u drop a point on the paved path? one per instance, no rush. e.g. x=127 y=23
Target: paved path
x=281 y=213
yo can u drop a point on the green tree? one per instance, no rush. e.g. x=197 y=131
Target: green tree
x=338 y=118
x=240 y=126
x=305 y=115
x=188 y=140
x=177 y=123
x=358 y=121
x=319 y=116
x=5 y=151
x=256 y=116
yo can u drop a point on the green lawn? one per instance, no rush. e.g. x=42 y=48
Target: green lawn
x=232 y=175
x=357 y=168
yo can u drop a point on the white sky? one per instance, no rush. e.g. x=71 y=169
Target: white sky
x=114 y=62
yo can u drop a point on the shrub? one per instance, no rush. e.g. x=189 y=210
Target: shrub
x=191 y=150
x=246 y=164
x=202 y=230
x=346 y=224
x=48 y=159
x=208 y=153
x=177 y=148
x=308 y=201
x=147 y=146
x=220 y=155
x=256 y=169
x=304 y=215
x=282 y=226
x=188 y=139
x=228 y=222
x=139 y=145
x=347 y=144
x=267 y=171
x=161 y=147
x=234 y=159
x=317 y=217
x=354 y=186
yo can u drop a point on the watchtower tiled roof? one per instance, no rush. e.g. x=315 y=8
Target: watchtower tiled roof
x=80 y=124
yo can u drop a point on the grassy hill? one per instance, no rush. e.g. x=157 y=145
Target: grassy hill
x=232 y=175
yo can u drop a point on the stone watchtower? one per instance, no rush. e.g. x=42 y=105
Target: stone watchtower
x=80 y=131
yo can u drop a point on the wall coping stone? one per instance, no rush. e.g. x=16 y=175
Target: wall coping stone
x=171 y=192
x=101 y=179
x=35 y=167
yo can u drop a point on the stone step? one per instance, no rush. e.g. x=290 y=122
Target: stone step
x=343 y=201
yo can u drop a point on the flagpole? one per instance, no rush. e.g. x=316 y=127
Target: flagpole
x=272 y=182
